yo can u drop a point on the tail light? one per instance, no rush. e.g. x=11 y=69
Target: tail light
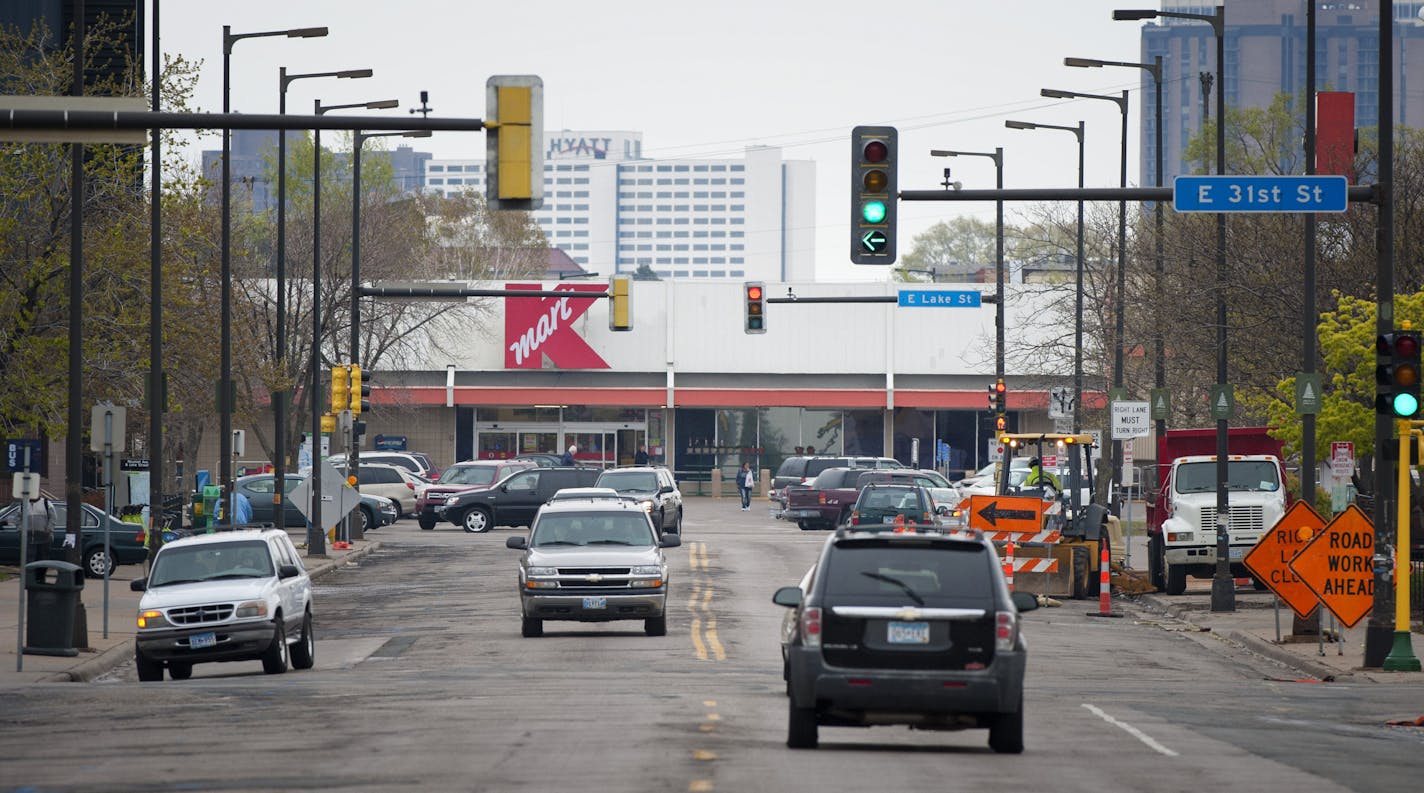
x=1005 y=630
x=855 y=518
x=821 y=497
x=410 y=485
x=811 y=627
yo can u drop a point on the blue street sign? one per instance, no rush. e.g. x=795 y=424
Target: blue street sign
x=15 y=454
x=939 y=298
x=1260 y=193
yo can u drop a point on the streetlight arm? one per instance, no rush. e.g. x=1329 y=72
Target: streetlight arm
x=1216 y=20
x=230 y=39
x=1094 y=63
x=1053 y=93
x=947 y=153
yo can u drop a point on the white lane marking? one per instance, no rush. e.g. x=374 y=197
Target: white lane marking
x=1130 y=730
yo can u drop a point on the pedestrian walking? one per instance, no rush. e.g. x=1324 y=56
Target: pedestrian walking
x=746 y=480
x=242 y=509
x=569 y=455
x=641 y=458
x=40 y=530
x=304 y=454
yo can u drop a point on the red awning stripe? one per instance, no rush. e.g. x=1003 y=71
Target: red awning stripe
x=717 y=397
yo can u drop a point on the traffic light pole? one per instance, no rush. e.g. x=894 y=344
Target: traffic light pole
x=1401 y=656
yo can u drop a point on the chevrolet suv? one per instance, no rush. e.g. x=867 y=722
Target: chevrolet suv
x=915 y=628
x=653 y=488
x=230 y=596
x=593 y=560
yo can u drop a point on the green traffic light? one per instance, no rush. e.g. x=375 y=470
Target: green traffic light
x=1405 y=405
x=873 y=211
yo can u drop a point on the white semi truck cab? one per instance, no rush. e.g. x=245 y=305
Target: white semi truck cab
x=1256 y=498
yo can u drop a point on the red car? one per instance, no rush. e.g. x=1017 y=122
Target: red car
x=460 y=477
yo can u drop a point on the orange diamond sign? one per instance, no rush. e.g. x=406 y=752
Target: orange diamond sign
x=1270 y=560
x=1338 y=566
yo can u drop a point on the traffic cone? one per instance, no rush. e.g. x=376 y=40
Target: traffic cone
x=1104 y=587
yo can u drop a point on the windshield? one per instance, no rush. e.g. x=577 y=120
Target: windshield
x=628 y=481
x=1241 y=475
x=468 y=475
x=593 y=528
x=188 y=564
x=901 y=575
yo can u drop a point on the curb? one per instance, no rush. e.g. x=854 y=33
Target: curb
x=122 y=653
x=1268 y=649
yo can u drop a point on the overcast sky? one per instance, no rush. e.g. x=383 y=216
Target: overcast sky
x=709 y=79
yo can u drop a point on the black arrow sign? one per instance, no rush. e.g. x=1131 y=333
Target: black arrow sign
x=992 y=513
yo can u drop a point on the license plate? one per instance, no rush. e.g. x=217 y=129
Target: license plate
x=888 y=519
x=1236 y=553
x=595 y=603
x=200 y=640
x=908 y=633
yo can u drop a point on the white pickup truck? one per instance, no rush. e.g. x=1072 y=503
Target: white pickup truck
x=1256 y=497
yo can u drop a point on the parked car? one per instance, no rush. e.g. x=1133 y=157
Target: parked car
x=652 y=487
x=470 y=475
x=375 y=511
x=887 y=506
x=125 y=539
x=593 y=561
x=392 y=481
x=799 y=470
x=514 y=500
x=905 y=628
x=940 y=488
x=587 y=493
x=415 y=462
x=826 y=501
x=542 y=459
x=228 y=596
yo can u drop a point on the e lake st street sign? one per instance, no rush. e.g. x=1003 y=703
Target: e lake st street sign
x=1270 y=560
x=1232 y=193
x=1338 y=566
x=940 y=298
x=1023 y=514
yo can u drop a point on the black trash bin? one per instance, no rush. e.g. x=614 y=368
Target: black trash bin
x=52 y=593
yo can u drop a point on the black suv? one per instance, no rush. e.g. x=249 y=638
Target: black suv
x=914 y=628
x=654 y=488
x=514 y=500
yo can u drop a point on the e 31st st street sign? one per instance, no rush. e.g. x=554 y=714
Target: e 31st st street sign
x=1270 y=560
x=1232 y=193
x=1338 y=566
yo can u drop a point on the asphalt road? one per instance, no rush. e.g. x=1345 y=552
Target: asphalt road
x=423 y=682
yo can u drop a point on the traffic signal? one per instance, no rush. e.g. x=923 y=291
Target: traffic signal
x=1001 y=397
x=1001 y=423
x=620 y=302
x=993 y=398
x=1397 y=373
x=873 y=195
x=754 y=293
x=340 y=388
x=514 y=142
x=360 y=389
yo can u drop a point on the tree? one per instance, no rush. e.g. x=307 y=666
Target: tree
x=950 y=246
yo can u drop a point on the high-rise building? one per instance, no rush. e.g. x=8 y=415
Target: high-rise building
x=1265 y=55
x=611 y=210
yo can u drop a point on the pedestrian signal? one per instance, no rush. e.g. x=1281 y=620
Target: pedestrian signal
x=1397 y=373
x=754 y=293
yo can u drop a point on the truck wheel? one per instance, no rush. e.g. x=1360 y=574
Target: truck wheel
x=149 y=671
x=1154 y=562
x=655 y=626
x=804 y=525
x=427 y=522
x=1176 y=579
x=1006 y=731
x=1081 y=571
x=531 y=627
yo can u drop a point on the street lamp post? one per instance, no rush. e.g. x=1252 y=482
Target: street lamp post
x=1121 y=282
x=316 y=535
x=1075 y=492
x=358 y=139
x=279 y=397
x=997 y=155
x=1155 y=69
x=225 y=388
x=1223 y=587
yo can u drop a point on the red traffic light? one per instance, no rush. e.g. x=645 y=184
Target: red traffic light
x=1407 y=346
x=875 y=151
x=754 y=293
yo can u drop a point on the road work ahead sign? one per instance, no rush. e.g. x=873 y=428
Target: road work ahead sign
x=1338 y=566
x=1270 y=560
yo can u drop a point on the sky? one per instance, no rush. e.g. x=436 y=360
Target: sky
x=702 y=79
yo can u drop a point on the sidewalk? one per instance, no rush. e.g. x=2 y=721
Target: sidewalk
x=104 y=654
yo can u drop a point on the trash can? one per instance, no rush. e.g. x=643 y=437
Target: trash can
x=52 y=596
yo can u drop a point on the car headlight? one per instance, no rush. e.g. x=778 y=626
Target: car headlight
x=541 y=571
x=647 y=569
x=252 y=608
x=152 y=618
x=647 y=505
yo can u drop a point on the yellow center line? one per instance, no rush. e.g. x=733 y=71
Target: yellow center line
x=699 y=785
x=703 y=754
x=713 y=641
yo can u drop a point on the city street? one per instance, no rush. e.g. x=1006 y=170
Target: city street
x=423 y=682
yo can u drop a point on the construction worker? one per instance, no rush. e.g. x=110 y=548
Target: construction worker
x=1037 y=477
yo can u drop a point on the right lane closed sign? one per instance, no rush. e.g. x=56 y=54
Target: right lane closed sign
x=1131 y=420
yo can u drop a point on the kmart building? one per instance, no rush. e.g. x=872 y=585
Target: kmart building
x=700 y=393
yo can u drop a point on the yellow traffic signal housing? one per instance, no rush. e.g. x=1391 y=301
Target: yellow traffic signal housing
x=328 y=424
x=360 y=389
x=514 y=144
x=340 y=388
x=620 y=302
x=754 y=298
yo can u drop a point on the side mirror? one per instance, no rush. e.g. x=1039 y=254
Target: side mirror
x=518 y=543
x=288 y=571
x=942 y=509
x=670 y=541
x=665 y=489
x=138 y=585
x=1024 y=601
x=789 y=596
